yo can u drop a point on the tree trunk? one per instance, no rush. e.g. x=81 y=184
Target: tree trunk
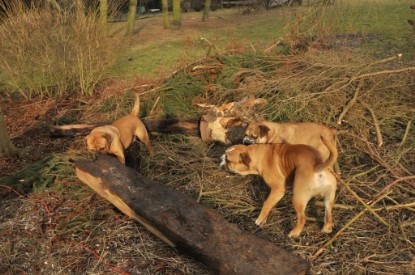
x=176 y=13
x=103 y=13
x=206 y=10
x=6 y=147
x=165 y=10
x=183 y=223
x=132 y=9
x=186 y=126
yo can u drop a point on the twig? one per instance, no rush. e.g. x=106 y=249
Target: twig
x=338 y=233
x=375 y=155
x=405 y=136
x=376 y=122
x=360 y=200
x=387 y=187
x=385 y=72
x=211 y=45
x=252 y=47
x=154 y=106
x=350 y=207
x=350 y=104
x=393 y=207
x=273 y=45
x=396 y=56
x=336 y=205
x=355 y=176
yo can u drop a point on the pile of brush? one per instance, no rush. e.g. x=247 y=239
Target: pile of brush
x=372 y=106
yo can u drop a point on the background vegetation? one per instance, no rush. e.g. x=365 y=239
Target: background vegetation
x=335 y=64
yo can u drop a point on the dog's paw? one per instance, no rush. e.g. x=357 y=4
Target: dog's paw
x=294 y=233
x=260 y=221
x=327 y=229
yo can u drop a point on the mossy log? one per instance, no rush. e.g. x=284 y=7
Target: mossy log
x=185 y=224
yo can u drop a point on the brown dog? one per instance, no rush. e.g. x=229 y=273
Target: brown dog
x=308 y=133
x=115 y=138
x=276 y=163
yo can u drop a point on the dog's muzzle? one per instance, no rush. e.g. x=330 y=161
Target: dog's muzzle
x=248 y=140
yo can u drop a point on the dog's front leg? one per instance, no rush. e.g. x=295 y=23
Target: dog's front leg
x=118 y=150
x=273 y=198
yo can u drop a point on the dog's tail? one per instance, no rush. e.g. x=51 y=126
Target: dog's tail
x=331 y=159
x=136 y=109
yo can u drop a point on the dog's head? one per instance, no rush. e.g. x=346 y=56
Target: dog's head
x=226 y=130
x=237 y=160
x=256 y=133
x=98 y=142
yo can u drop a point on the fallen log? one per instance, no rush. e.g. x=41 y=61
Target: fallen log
x=188 y=126
x=183 y=223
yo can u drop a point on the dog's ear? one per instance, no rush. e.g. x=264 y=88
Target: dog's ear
x=108 y=137
x=232 y=122
x=227 y=123
x=245 y=158
x=263 y=130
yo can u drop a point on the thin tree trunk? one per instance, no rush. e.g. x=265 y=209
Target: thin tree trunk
x=6 y=147
x=206 y=10
x=165 y=9
x=131 y=16
x=103 y=13
x=176 y=13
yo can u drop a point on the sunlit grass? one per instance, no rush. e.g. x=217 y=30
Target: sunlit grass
x=256 y=31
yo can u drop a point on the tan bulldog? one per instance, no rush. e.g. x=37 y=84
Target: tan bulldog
x=276 y=163
x=117 y=137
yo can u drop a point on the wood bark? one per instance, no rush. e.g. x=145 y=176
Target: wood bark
x=132 y=9
x=176 y=13
x=165 y=12
x=206 y=10
x=183 y=223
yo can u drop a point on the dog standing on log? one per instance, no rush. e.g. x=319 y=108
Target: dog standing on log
x=308 y=133
x=279 y=163
x=117 y=137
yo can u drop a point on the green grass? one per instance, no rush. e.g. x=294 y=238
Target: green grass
x=385 y=18
x=164 y=53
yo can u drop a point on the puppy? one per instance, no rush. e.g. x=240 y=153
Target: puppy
x=115 y=138
x=279 y=163
x=308 y=133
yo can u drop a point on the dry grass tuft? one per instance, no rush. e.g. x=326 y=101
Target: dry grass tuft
x=52 y=52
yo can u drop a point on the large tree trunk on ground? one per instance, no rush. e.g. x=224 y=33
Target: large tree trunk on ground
x=188 y=126
x=185 y=224
x=6 y=147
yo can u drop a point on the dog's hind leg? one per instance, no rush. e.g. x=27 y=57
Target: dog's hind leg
x=328 y=205
x=300 y=203
x=301 y=196
x=144 y=138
